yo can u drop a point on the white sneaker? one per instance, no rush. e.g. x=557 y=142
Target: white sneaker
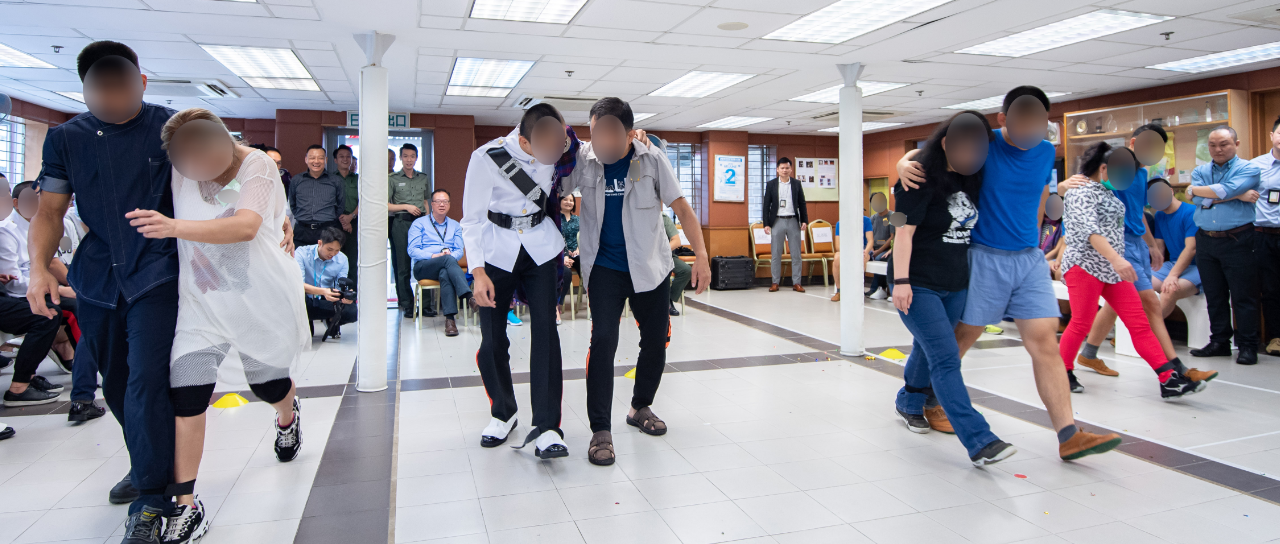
x=496 y=433
x=186 y=524
x=880 y=294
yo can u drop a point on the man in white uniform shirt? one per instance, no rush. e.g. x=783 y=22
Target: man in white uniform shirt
x=513 y=243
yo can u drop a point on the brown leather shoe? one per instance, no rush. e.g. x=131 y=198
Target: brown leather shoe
x=797 y=288
x=450 y=328
x=1086 y=443
x=1096 y=365
x=1197 y=375
x=836 y=297
x=773 y=288
x=938 y=421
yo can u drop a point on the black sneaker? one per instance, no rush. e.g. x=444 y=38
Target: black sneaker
x=85 y=411
x=1178 y=385
x=1075 y=384
x=671 y=309
x=145 y=527
x=43 y=384
x=6 y=431
x=186 y=524
x=30 y=397
x=993 y=453
x=916 y=423
x=5 y=362
x=289 y=439
x=123 y=492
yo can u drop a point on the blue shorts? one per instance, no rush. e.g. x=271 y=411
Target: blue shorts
x=1138 y=255
x=1191 y=274
x=1008 y=284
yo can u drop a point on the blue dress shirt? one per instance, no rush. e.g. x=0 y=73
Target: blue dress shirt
x=426 y=238
x=1228 y=180
x=318 y=272
x=1268 y=214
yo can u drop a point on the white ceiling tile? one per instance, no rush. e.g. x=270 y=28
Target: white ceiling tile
x=621 y=89
x=513 y=27
x=883 y=101
x=287 y=2
x=293 y=12
x=705 y=23
x=633 y=15
x=31 y=30
x=434 y=51
x=785 y=46
x=1235 y=39
x=956 y=58
x=642 y=75
x=660 y=63
x=471 y=101
x=1090 y=68
x=316 y=57
x=642 y=36
x=335 y=85
x=1086 y=51
x=127 y=4
x=272 y=94
x=437 y=89
x=434 y=64
x=39 y=45
x=1147 y=74
x=446 y=23
x=510 y=54
x=244 y=41
x=1148 y=57
x=598 y=61
x=797 y=7
x=447 y=8
x=1165 y=7
x=127 y=35
x=433 y=78
x=701 y=41
x=1184 y=30
x=328 y=72
x=556 y=84
x=1032 y=64
x=212 y=7
x=556 y=70
x=183 y=66
x=312 y=45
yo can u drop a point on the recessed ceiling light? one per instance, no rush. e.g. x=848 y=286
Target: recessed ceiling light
x=1100 y=23
x=1225 y=59
x=831 y=95
x=700 y=84
x=78 y=97
x=637 y=117
x=534 y=11
x=990 y=102
x=493 y=78
x=732 y=26
x=285 y=83
x=734 y=122
x=848 y=19
x=488 y=92
x=259 y=61
x=867 y=126
x=17 y=59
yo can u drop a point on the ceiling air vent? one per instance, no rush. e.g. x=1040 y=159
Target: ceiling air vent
x=562 y=103
x=189 y=88
x=1269 y=15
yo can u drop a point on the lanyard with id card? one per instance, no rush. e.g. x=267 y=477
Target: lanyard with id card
x=1273 y=196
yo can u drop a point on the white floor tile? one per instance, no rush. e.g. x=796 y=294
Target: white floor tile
x=709 y=523
x=787 y=513
x=604 y=500
x=908 y=529
x=638 y=528
x=449 y=519
x=524 y=510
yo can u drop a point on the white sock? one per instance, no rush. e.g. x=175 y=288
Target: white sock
x=498 y=428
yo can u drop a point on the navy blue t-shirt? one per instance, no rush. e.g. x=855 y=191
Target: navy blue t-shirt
x=613 y=246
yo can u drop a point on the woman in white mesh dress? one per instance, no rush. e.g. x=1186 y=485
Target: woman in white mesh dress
x=237 y=289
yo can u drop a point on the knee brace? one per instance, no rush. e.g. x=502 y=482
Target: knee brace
x=191 y=400
x=272 y=391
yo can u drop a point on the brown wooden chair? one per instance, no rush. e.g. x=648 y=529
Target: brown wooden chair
x=826 y=249
x=428 y=285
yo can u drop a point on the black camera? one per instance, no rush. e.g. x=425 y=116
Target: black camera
x=346 y=291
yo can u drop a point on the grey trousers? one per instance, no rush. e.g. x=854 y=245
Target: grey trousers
x=788 y=227
x=453 y=281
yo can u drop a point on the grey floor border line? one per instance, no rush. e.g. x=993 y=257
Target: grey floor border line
x=1236 y=479
x=350 y=499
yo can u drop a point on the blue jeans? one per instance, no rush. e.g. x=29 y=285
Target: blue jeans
x=934 y=364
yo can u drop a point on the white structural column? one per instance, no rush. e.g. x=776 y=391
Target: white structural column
x=851 y=270
x=371 y=362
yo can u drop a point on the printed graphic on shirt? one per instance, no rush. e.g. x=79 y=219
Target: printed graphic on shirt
x=615 y=187
x=964 y=215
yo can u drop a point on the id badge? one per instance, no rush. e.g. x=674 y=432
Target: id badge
x=783 y=204
x=1273 y=196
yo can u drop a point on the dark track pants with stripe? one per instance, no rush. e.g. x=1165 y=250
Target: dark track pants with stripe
x=607 y=291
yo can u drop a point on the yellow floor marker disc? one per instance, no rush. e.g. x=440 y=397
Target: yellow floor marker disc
x=630 y=374
x=231 y=400
x=894 y=354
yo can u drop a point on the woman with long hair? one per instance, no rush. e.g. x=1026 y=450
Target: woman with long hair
x=931 y=276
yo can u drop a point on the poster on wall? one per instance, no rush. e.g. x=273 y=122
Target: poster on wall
x=731 y=179
x=820 y=179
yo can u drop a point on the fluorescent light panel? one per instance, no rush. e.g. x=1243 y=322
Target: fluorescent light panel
x=637 y=117
x=832 y=95
x=848 y=19
x=866 y=126
x=988 y=103
x=534 y=11
x=486 y=92
x=1225 y=59
x=11 y=57
x=1103 y=22
x=259 y=61
x=734 y=122
x=700 y=84
x=473 y=72
x=285 y=83
x=78 y=97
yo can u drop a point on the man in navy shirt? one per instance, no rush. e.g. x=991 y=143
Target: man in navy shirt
x=112 y=157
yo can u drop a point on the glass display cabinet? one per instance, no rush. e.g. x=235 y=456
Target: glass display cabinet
x=1188 y=121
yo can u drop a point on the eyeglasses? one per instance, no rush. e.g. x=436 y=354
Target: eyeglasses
x=439 y=201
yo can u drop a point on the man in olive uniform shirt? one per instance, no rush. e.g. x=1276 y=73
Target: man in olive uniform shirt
x=407 y=192
x=351 y=208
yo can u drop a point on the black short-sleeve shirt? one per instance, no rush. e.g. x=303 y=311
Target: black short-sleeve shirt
x=940 y=244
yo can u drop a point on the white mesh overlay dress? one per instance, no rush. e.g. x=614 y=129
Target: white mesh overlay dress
x=246 y=295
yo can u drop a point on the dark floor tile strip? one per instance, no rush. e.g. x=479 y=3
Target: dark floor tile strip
x=350 y=500
x=1243 y=481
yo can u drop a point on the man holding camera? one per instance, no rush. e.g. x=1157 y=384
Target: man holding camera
x=322 y=266
x=436 y=248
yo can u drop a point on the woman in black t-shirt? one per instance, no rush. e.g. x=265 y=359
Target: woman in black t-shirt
x=931 y=271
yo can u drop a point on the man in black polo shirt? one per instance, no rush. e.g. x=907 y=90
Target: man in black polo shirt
x=317 y=197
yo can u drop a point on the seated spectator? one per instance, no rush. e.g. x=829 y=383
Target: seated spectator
x=882 y=243
x=435 y=247
x=1175 y=230
x=866 y=252
x=568 y=229
x=318 y=197
x=322 y=264
x=682 y=270
x=42 y=335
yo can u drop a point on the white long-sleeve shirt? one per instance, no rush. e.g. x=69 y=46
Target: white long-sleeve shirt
x=14 y=258
x=487 y=189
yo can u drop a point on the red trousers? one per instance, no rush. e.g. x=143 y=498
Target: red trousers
x=1083 y=290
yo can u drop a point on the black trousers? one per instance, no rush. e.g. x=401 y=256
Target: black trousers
x=351 y=248
x=546 y=383
x=308 y=234
x=609 y=289
x=1229 y=276
x=323 y=309
x=1267 y=251
x=401 y=264
x=40 y=331
x=566 y=282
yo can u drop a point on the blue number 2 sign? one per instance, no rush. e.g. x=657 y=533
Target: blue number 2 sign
x=729 y=176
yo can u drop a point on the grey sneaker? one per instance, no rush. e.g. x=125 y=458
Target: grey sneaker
x=186 y=524
x=916 y=423
x=145 y=527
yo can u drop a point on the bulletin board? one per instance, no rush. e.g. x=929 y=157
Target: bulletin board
x=820 y=178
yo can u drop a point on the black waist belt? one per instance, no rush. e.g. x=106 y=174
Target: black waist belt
x=517 y=223
x=315 y=226
x=1267 y=230
x=1226 y=233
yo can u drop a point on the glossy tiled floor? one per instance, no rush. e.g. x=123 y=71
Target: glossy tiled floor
x=758 y=452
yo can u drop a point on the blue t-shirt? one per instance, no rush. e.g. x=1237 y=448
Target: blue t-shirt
x=613 y=245
x=1134 y=199
x=866 y=227
x=1175 y=228
x=1012 y=182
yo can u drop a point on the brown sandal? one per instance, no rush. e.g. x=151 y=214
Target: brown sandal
x=601 y=450
x=647 y=422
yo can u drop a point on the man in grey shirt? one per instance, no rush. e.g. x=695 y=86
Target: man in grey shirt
x=317 y=197
x=882 y=232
